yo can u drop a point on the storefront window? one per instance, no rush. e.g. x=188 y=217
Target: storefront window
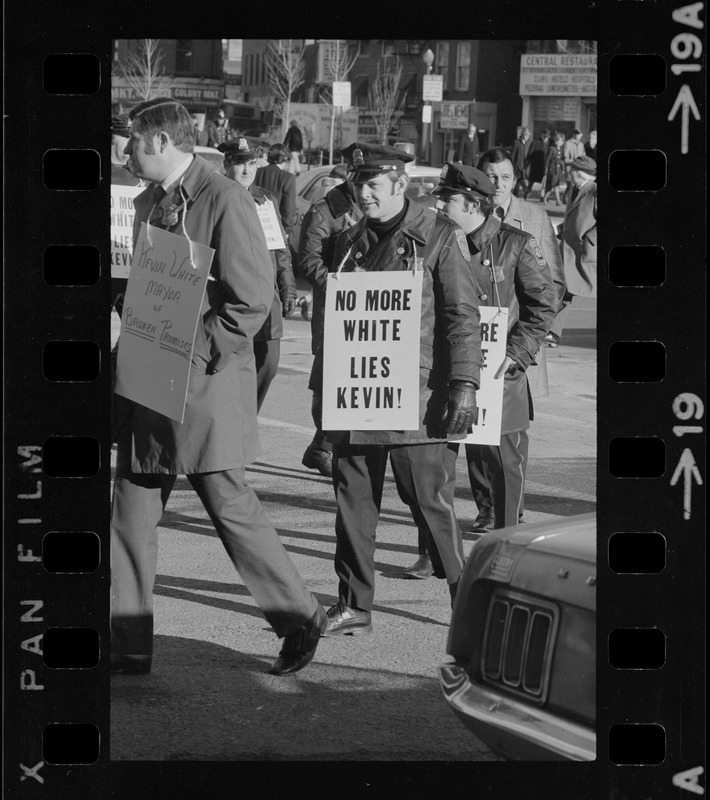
x=463 y=65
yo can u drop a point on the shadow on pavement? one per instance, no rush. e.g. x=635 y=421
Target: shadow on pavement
x=203 y=701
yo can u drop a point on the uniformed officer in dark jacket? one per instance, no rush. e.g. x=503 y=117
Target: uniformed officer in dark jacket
x=240 y=165
x=509 y=270
x=323 y=223
x=396 y=234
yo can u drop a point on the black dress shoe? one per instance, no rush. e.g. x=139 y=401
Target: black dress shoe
x=130 y=664
x=299 y=647
x=321 y=460
x=345 y=620
x=420 y=569
x=485 y=521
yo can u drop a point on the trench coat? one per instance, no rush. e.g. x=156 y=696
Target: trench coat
x=450 y=336
x=579 y=241
x=523 y=284
x=219 y=431
x=533 y=219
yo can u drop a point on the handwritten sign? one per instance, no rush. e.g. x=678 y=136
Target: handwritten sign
x=371 y=351
x=161 y=312
x=122 y=228
x=489 y=398
x=270 y=225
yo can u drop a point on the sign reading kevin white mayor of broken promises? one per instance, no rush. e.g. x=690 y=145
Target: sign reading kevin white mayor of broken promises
x=160 y=314
x=371 y=351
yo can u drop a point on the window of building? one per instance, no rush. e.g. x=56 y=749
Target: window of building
x=441 y=62
x=183 y=56
x=329 y=52
x=463 y=65
x=388 y=47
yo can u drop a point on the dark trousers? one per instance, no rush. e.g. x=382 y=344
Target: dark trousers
x=499 y=472
x=266 y=357
x=249 y=538
x=315 y=384
x=425 y=475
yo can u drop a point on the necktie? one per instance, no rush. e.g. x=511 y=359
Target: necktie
x=500 y=212
x=158 y=194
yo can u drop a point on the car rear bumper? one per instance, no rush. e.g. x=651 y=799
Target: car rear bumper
x=515 y=729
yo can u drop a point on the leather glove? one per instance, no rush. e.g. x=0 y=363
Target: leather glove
x=462 y=406
x=287 y=306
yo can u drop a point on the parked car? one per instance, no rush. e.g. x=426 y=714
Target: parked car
x=212 y=155
x=421 y=181
x=520 y=670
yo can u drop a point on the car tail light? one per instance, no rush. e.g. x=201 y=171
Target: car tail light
x=518 y=643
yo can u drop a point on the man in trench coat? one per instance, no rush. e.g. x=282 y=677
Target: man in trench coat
x=218 y=436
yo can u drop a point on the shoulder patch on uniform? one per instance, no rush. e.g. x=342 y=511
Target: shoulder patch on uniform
x=537 y=250
x=463 y=244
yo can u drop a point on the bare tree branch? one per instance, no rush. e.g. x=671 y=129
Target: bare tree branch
x=144 y=71
x=386 y=106
x=285 y=70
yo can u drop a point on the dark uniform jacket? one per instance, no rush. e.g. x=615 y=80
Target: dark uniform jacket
x=450 y=329
x=219 y=431
x=509 y=271
x=284 y=280
x=282 y=186
x=323 y=222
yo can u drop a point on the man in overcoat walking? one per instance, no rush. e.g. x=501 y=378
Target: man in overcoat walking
x=579 y=239
x=218 y=436
x=467 y=148
x=397 y=234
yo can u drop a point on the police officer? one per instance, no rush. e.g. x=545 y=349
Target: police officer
x=509 y=270
x=240 y=164
x=396 y=234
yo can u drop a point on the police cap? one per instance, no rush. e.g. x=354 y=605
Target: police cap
x=461 y=179
x=237 y=150
x=120 y=126
x=369 y=160
x=586 y=164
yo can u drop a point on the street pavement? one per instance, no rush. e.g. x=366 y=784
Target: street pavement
x=365 y=698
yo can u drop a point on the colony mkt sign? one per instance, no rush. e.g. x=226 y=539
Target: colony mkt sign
x=558 y=74
x=203 y=94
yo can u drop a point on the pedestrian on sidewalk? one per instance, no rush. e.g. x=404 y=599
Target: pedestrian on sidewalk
x=554 y=168
x=395 y=234
x=218 y=435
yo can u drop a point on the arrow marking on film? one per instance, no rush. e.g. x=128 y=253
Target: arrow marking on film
x=688 y=468
x=686 y=102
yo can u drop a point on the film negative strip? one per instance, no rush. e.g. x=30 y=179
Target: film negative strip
x=651 y=410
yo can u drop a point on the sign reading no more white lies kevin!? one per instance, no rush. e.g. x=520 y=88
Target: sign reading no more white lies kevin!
x=161 y=312
x=371 y=351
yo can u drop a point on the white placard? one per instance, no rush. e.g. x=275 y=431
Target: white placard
x=270 y=225
x=161 y=312
x=341 y=94
x=426 y=113
x=489 y=398
x=371 y=351
x=122 y=228
x=433 y=88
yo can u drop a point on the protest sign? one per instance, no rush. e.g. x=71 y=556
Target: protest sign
x=161 y=312
x=371 y=351
x=489 y=397
x=270 y=225
x=122 y=228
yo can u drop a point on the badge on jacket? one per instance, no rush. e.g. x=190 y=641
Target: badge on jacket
x=463 y=245
x=537 y=250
